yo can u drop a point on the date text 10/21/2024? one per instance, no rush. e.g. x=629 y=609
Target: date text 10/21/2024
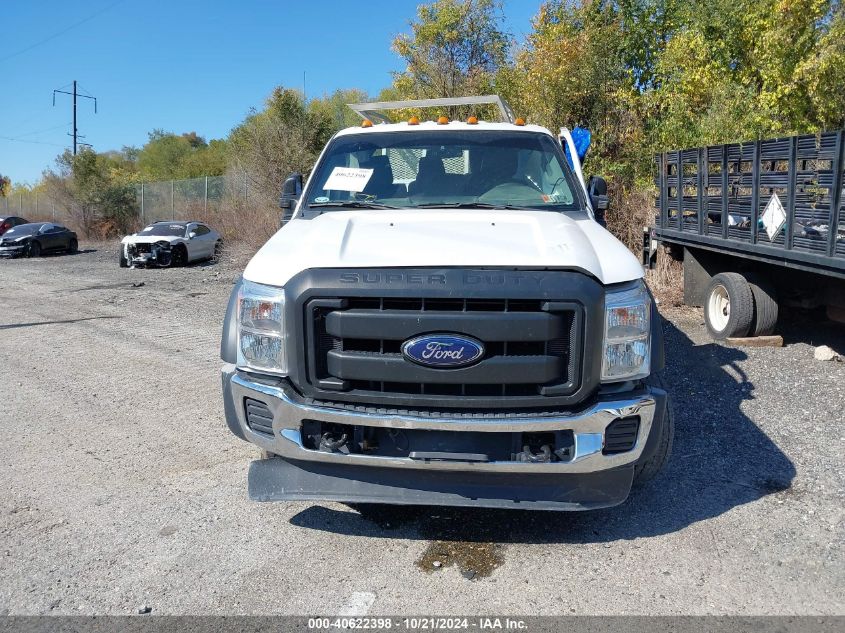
x=418 y=623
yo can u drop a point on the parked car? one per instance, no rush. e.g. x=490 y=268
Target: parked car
x=37 y=238
x=10 y=221
x=442 y=319
x=169 y=243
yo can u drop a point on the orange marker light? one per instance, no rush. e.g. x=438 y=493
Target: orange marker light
x=442 y=120
x=519 y=121
x=473 y=120
x=366 y=123
x=413 y=121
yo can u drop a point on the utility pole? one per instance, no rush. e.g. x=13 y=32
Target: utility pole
x=75 y=94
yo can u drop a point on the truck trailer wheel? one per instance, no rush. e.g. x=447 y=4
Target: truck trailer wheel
x=648 y=469
x=765 y=305
x=729 y=309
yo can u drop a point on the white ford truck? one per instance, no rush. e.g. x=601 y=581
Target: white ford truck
x=442 y=319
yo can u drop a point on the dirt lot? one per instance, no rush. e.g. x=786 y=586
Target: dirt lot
x=121 y=486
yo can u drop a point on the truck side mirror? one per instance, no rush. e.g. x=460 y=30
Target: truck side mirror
x=597 y=188
x=291 y=190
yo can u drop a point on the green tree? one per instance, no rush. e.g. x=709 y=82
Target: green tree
x=5 y=186
x=455 y=48
x=170 y=156
x=334 y=107
x=285 y=136
x=96 y=191
x=575 y=69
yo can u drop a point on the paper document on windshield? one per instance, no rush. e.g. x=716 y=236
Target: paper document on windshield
x=348 y=179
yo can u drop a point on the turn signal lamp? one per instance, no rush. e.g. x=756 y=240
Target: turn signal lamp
x=413 y=121
x=367 y=123
x=519 y=121
x=442 y=120
x=473 y=120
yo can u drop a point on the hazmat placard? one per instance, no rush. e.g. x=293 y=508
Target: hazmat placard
x=774 y=217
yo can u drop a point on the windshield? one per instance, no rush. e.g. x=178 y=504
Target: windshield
x=175 y=230
x=417 y=169
x=23 y=229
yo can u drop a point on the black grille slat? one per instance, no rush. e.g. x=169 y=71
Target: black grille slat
x=402 y=324
x=499 y=369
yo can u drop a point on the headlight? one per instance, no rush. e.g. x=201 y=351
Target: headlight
x=627 y=334
x=261 y=329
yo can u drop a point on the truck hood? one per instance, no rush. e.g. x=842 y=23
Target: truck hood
x=441 y=238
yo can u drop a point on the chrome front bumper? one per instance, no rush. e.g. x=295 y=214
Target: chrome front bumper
x=588 y=427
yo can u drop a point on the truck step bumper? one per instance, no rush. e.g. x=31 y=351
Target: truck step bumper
x=277 y=479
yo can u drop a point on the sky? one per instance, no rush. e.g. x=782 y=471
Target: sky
x=182 y=65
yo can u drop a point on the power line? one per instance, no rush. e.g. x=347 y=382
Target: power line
x=46 y=129
x=33 y=114
x=62 y=32
x=23 y=140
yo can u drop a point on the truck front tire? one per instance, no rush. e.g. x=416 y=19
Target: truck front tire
x=729 y=308
x=648 y=469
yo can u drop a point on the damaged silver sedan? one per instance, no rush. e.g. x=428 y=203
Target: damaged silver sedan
x=170 y=243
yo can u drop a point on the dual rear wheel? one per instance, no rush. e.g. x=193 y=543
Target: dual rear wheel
x=740 y=305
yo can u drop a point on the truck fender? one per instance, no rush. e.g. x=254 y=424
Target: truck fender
x=229 y=339
x=658 y=358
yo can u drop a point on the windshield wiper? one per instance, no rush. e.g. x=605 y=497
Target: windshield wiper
x=352 y=204
x=469 y=205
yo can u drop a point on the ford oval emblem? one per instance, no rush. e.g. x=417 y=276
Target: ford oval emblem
x=444 y=351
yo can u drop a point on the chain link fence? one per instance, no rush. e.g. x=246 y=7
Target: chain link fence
x=225 y=202
x=195 y=198
x=32 y=205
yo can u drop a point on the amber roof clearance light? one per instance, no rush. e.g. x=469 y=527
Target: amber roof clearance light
x=519 y=121
x=473 y=120
x=413 y=121
x=367 y=123
x=442 y=120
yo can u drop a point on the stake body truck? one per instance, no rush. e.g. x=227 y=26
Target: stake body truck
x=759 y=226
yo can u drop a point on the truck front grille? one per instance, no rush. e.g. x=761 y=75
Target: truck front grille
x=532 y=347
x=537 y=328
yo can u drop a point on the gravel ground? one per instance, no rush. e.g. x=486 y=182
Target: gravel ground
x=122 y=487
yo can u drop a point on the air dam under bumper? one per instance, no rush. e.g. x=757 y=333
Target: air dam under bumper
x=587 y=479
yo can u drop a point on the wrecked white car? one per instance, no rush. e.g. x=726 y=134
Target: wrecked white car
x=170 y=243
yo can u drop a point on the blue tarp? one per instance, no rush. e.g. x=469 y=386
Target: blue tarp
x=581 y=138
